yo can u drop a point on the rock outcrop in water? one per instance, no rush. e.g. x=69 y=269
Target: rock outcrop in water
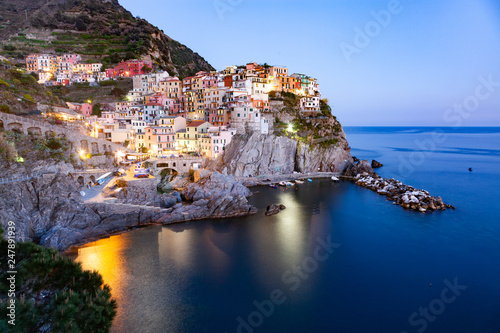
x=358 y=167
x=274 y=209
x=401 y=194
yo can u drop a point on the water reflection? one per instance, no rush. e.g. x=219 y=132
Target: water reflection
x=162 y=276
x=107 y=257
x=180 y=245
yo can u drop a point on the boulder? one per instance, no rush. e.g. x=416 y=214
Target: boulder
x=272 y=210
x=376 y=164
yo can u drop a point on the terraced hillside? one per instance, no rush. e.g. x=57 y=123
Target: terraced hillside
x=99 y=30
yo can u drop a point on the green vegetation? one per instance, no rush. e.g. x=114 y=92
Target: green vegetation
x=29 y=98
x=96 y=109
x=5 y=108
x=34 y=147
x=8 y=151
x=19 y=91
x=98 y=94
x=290 y=100
x=326 y=110
x=54 y=293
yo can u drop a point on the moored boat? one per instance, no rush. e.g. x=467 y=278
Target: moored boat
x=298 y=181
x=335 y=179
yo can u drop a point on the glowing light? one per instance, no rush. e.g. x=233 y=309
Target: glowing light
x=120 y=154
x=82 y=154
x=290 y=128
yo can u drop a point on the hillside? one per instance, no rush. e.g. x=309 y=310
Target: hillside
x=19 y=92
x=99 y=30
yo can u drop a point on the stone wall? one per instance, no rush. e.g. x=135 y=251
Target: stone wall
x=79 y=141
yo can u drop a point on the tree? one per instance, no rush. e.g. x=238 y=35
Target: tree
x=96 y=109
x=80 y=25
x=326 y=110
x=54 y=293
x=147 y=69
x=35 y=75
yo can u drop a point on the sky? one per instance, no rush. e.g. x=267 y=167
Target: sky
x=379 y=62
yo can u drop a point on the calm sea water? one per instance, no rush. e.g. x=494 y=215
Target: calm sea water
x=386 y=269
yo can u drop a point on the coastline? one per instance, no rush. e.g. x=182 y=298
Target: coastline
x=263 y=179
x=165 y=216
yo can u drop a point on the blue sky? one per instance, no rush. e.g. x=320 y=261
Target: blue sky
x=410 y=68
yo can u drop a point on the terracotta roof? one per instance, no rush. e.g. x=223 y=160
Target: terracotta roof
x=196 y=123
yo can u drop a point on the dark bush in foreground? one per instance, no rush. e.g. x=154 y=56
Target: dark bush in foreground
x=53 y=293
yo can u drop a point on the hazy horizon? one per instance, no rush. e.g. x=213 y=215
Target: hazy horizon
x=379 y=63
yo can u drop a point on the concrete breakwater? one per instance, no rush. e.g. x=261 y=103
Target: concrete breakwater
x=400 y=194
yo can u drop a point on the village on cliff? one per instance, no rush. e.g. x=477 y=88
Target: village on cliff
x=164 y=115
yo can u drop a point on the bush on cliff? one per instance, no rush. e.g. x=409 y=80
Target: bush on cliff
x=53 y=293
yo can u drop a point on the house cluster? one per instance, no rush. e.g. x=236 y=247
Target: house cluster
x=67 y=69
x=166 y=115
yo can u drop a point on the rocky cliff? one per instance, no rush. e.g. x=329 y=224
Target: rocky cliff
x=260 y=154
x=50 y=211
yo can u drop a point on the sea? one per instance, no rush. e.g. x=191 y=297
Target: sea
x=339 y=258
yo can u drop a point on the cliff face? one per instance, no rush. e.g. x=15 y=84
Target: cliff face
x=259 y=154
x=51 y=212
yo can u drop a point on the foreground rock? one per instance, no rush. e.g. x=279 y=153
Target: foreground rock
x=50 y=210
x=274 y=209
x=401 y=194
x=376 y=164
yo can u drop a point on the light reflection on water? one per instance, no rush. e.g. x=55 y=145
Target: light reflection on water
x=201 y=276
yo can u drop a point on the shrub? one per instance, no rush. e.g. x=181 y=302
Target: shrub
x=53 y=144
x=7 y=150
x=5 y=108
x=29 y=98
x=107 y=83
x=54 y=293
x=2 y=82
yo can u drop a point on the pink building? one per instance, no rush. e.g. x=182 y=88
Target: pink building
x=83 y=108
x=128 y=68
x=160 y=140
x=72 y=58
x=209 y=81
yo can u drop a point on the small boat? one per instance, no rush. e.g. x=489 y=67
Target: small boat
x=103 y=178
x=289 y=183
x=272 y=185
x=298 y=181
x=282 y=183
x=335 y=179
x=309 y=180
